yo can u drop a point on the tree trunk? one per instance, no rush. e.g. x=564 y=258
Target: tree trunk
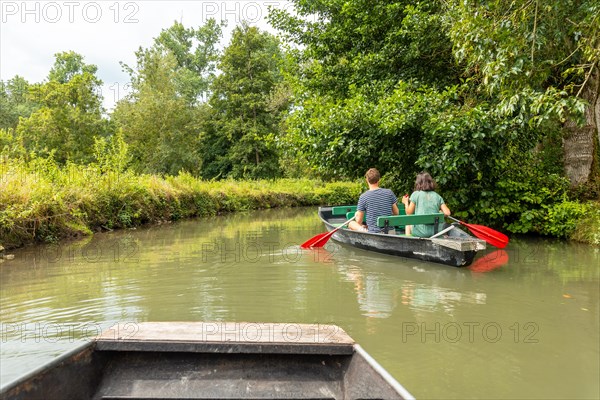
x=579 y=141
x=598 y=105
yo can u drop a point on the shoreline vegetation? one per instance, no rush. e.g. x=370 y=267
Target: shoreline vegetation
x=42 y=202
x=506 y=121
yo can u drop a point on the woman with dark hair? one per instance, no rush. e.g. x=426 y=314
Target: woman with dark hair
x=424 y=200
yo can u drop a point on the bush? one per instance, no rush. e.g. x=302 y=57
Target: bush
x=588 y=226
x=42 y=202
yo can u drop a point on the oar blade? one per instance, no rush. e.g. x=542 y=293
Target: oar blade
x=316 y=241
x=321 y=239
x=493 y=237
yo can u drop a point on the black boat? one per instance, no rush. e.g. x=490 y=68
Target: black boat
x=219 y=360
x=449 y=246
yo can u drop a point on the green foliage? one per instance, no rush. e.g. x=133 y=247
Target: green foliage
x=196 y=54
x=588 y=226
x=558 y=220
x=366 y=84
x=11 y=145
x=509 y=46
x=41 y=200
x=241 y=136
x=474 y=93
x=359 y=43
x=112 y=153
x=161 y=119
x=562 y=219
x=15 y=102
x=68 y=65
x=70 y=112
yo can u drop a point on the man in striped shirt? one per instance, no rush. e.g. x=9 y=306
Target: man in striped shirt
x=373 y=203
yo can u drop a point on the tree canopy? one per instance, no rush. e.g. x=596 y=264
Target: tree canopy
x=69 y=113
x=480 y=95
x=241 y=136
x=161 y=117
x=499 y=100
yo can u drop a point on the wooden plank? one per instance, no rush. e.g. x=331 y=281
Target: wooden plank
x=460 y=244
x=224 y=376
x=215 y=337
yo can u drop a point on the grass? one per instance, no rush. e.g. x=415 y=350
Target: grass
x=42 y=202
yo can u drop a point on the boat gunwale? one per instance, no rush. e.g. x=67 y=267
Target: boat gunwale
x=49 y=365
x=90 y=353
x=387 y=377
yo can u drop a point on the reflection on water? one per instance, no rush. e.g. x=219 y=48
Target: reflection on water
x=378 y=296
x=492 y=260
x=507 y=327
x=423 y=298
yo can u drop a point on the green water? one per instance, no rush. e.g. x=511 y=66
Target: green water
x=525 y=329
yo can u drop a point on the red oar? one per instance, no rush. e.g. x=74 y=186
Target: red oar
x=495 y=238
x=322 y=238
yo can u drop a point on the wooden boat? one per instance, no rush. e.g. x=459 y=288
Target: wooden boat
x=199 y=360
x=452 y=246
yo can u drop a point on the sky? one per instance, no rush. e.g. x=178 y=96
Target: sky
x=106 y=32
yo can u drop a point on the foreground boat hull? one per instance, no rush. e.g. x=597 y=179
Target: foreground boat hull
x=212 y=360
x=457 y=248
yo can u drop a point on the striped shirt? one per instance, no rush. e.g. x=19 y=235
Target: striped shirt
x=376 y=203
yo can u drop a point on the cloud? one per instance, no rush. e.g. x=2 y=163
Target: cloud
x=105 y=32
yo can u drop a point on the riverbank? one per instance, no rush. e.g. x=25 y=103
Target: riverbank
x=588 y=227
x=42 y=202
x=47 y=203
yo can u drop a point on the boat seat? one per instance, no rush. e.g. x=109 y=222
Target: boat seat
x=352 y=212
x=342 y=210
x=403 y=220
x=400 y=209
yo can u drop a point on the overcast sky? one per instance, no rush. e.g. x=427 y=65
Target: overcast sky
x=105 y=32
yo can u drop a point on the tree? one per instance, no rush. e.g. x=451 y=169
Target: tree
x=161 y=118
x=196 y=53
x=14 y=102
x=541 y=63
x=70 y=112
x=367 y=80
x=350 y=44
x=476 y=93
x=69 y=64
x=246 y=120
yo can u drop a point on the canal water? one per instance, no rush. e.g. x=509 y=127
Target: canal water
x=517 y=324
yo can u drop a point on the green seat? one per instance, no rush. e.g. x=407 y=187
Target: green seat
x=350 y=211
x=403 y=220
x=401 y=209
x=342 y=210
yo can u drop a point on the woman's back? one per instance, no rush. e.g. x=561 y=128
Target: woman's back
x=426 y=202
